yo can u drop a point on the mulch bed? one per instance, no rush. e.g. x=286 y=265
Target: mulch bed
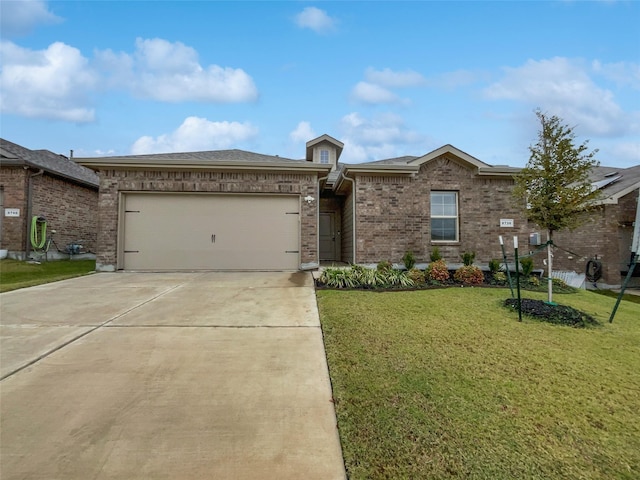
x=557 y=314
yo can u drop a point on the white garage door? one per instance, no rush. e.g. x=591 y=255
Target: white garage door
x=211 y=232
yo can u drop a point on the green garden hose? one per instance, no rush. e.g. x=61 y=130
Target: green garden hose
x=38 y=243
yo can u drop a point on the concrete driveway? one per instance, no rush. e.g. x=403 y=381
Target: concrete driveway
x=166 y=375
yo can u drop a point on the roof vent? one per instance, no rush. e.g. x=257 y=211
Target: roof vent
x=611 y=174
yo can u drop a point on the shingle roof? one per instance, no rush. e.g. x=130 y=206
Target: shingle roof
x=58 y=165
x=213 y=155
x=615 y=182
x=394 y=161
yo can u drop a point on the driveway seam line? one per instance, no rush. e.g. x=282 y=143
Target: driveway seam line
x=84 y=334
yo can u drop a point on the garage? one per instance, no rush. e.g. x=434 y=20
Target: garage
x=205 y=231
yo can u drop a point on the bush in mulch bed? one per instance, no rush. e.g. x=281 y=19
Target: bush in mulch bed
x=557 y=314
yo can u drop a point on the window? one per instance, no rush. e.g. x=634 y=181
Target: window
x=324 y=156
x=444 y=216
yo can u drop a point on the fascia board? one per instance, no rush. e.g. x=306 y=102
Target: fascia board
x=613 y=199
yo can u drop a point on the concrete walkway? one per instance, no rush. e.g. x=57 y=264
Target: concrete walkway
x=166 y=376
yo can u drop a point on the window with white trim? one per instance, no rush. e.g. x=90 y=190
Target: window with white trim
x=444 y=216
x=324 y=156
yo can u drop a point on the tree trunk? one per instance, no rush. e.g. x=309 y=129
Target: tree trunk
x=550 y=264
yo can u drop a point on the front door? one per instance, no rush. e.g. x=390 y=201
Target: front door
x=327 y=237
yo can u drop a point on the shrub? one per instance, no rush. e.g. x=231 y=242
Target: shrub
x=534 y=281
x=339 y=278
x=435 y=254
x=469 y=275
x=409 y=260
x=416 y=275
x=384 y=265
x=494 y=265
x=437 y=271
x=468 y=258
x=500 y=278
x=527 y=266
x=370 y=277
x=398 y=278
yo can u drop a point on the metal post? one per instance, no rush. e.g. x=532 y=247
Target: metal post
x=506 y=265
x=515 y=247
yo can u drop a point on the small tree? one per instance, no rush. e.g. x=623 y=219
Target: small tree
x=554 y=187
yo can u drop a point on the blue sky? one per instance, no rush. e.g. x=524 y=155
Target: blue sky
x=386 y=78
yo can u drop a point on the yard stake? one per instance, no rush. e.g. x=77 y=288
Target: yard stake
x=515 y=247
x=506 y=265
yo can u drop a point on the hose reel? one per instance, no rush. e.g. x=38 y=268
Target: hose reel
x=594 y=270
x=38 y=232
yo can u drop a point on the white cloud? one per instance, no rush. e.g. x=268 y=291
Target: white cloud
x=622 y=152
x=383 y=136
x=20 y=17
x=562 y=86
x=316 y=20
x=373 y=94
x=171 y=72
x=391 y=79
x=622 y=73
x=196 y=134
x=53 y=83
x=302 y=133
x=376 y=89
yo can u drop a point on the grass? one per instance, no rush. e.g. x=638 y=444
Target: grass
x=16 y=274
x=610 y=293
x=448 y=384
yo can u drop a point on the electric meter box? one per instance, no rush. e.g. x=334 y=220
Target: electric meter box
x=534 y=239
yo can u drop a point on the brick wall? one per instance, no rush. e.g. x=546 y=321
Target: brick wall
x=605 y=232
x=114 y=181
x=392 y=214
x=70 y=210
x=14 y=187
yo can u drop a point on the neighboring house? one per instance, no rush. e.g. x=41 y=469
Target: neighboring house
x=44 y=184
x=232 y=209
x=607 y=231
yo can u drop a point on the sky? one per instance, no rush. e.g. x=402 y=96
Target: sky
x=387 y=79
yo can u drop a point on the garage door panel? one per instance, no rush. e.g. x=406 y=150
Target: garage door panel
x=225 y=232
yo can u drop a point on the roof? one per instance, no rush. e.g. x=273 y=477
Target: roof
x=615 y=183
x=13 y=154
x=411 y=164
x=214 y=159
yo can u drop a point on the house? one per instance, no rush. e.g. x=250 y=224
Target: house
x=50 y=186
x=232 y=209
x=606 y=232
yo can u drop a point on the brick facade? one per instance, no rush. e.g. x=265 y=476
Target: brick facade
x=14 y=192
x=112 y=182
x=393 y=214
x=69 y=208
x=606 y=233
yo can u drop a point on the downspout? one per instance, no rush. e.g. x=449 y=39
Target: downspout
x=353 y=213
x=29 y=210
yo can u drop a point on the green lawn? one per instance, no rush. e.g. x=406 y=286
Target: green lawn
x=15 y=274
x=448 y=384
